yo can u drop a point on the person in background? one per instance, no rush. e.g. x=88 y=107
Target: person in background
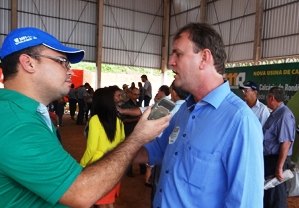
x=279 y=136
x=125 y=93
x=250 y=92
x=72 y=101
x=35 y=169
x=59 y=105
x=106 y=131
x=163 y=92
x=141 y=96
x=88 y=100
x=81 y=93
x=116 y=91
x=132 y=86
x=131 y=121
x=117 y=95
x=147 y=90
x=211 y=154
x=178 y=96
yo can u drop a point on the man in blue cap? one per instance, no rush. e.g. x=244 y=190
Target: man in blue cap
x=35 y=170
x=250 y=91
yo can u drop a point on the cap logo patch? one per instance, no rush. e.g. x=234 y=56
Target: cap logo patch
x=24 y=39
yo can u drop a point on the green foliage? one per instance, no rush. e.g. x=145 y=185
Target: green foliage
x=109 y=68
x=85 y=65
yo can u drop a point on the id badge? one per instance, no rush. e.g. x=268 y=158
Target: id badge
x=174 y=135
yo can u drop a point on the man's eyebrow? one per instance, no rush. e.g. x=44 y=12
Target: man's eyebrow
x=176 y=50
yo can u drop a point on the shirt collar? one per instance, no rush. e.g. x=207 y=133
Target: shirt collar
x=214 y=98
x=278 y=108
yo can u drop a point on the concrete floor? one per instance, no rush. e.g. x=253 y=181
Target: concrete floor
x=133 y=192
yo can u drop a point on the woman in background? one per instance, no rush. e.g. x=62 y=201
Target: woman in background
x=106 y=131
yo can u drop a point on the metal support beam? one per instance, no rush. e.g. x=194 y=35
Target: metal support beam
x=14 y=14
x=165 y=35
x=99 y=47
x=257 y=48
x=203 y=11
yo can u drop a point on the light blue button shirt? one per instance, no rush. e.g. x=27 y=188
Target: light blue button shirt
x=177 y=106
x=211 y=154
x=280 y=127
x=261 y=111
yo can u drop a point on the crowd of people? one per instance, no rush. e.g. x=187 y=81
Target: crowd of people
x=79 y=101
x=214 y=150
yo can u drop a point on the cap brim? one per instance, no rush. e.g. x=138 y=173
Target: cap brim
x=74 y=55
x=243 y=87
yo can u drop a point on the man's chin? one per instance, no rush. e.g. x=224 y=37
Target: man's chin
x=66 y=90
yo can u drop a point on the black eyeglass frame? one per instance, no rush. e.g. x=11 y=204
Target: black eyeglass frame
x=60 y=60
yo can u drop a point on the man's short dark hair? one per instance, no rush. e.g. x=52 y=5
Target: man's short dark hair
x=165 y=89
x=144 y=76
x=9 y=63
x=205 y=37
x=278 y=93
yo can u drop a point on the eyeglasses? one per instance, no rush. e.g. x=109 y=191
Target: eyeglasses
x=62 y=61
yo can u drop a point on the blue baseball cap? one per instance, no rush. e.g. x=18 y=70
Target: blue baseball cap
x=26 y=37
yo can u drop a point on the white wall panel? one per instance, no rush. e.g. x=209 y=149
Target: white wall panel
x=281 y=29
x=132 y=32
x=78 y=10
x=90 y=52
x=124 y=58
x=183 y=5
x=219 y=11
x=5 y=4
x=242 y=30
x=183 y=12
x=41 y=7
x=5 y=19
x=235 y=21
x=179 y=20
x=240 y=52
x=76 y=33
x=48 y=24
x=277 y=3
x=132 y=20
x=242 y=7
x=71 y=21
x=4 y=16
x=137 y=5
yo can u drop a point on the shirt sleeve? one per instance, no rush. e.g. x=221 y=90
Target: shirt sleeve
x=245 y=151
x=37 y=161
x=286 y=132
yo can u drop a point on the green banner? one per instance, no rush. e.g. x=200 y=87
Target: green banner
x=266 y=76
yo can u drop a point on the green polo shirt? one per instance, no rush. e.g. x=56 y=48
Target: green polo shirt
x=35 y=170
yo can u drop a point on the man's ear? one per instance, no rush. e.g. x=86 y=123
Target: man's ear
x=206 y=57
x=27 y=63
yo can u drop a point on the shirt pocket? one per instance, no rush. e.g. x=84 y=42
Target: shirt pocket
x=204 y=169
